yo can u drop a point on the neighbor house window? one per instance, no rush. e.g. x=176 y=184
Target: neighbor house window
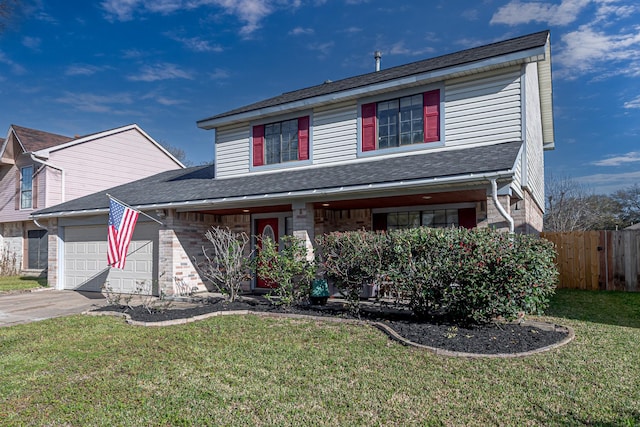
x=26 y=187
x=401 y=121
x=281 y=142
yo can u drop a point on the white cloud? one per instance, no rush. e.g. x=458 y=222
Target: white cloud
x=249 y=12
x=400 y=49
x=586 y=50
x=517 y=12
x=96 y=103
x=470 y=14
x=634 y=103
x=219 y=74
x=81 y=70
x=161 y=71
x=608 y=183
x=32 y=43
x=14 y=66
x=631 y=157
x=352 y=30
x=323 y=48
x=162 y=100
x=195 y=44
x=298 y=31
x=595 y=47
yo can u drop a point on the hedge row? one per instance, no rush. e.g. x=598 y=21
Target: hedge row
x=471 y=275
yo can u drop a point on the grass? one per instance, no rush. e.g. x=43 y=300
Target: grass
x=19 y=283
x=238 y=370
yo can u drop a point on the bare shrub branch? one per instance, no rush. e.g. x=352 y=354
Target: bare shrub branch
x=226 y=264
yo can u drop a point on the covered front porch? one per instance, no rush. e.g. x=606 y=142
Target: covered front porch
x=181 y=237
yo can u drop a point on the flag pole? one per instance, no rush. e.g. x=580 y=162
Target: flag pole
x=130 y=207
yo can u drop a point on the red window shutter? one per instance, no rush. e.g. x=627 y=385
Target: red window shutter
x=431 y=105
x=258 y=145
x=303 y=138
x=369 y=127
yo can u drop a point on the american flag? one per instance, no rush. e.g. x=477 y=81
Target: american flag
x=122 y=221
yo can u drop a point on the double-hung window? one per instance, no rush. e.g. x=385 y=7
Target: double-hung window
x=401 y=121
x=281 y=142
x=26 y=187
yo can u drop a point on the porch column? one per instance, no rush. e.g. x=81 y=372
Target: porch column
x=167 y=239
x=304 y=225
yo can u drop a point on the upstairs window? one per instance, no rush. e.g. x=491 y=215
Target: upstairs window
x=26 y=187
x=402 y=121
x=281 y=142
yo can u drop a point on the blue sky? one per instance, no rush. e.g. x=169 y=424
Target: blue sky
x=79 y=67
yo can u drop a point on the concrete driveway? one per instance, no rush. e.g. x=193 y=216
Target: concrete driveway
x=33 y=306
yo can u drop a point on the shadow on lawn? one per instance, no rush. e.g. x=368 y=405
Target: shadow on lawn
x=606 y=307
x=624 y=418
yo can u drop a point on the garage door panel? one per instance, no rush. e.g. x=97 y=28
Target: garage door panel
x=85 y=251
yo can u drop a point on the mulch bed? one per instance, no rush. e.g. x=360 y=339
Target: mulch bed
x=492 y=338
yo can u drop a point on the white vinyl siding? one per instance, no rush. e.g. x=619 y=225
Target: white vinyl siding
x=232 y=151
x=534 y=147
x=335 y=134
x=484 y=110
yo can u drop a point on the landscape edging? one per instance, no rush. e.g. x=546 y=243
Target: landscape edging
x=379 y=325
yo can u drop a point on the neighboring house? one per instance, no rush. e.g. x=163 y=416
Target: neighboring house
x=40 y=169
x=456 y=140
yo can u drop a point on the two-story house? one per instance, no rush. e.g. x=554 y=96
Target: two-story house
x=456 y=140
x=41 y=169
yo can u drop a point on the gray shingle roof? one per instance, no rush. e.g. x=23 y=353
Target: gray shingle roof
x=34 y=140
x=506 y=47
x=196 y=184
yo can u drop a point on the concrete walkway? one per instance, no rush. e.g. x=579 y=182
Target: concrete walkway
x=44 y=304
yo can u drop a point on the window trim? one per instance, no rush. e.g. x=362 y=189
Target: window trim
x=290 y=164
x=22 y=190
x=388 y=96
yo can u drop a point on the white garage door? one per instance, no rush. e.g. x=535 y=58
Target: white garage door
x=85 y=259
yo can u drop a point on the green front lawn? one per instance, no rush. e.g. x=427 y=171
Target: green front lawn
x=19 y=283
x=247 y=370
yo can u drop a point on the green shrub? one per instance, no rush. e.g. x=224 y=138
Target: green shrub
x=352 y=260
x=473 y=275
x=470 y=275
x=285 y=264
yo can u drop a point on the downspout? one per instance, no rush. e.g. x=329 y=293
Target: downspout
x=35 y=221
x=503 y=212
x=62 y=192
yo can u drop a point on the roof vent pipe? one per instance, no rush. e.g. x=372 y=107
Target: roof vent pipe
x=377 y=55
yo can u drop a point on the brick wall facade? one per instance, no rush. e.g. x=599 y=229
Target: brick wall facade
x=527 y=215
x=180 y=242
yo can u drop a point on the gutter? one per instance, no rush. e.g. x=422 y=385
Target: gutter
x=37 y=160
x=503 y=212
x=317 y=193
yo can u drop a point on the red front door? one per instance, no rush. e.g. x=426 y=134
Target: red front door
x=266 y=228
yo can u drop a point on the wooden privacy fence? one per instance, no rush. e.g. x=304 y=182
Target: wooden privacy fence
x=605 y=260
